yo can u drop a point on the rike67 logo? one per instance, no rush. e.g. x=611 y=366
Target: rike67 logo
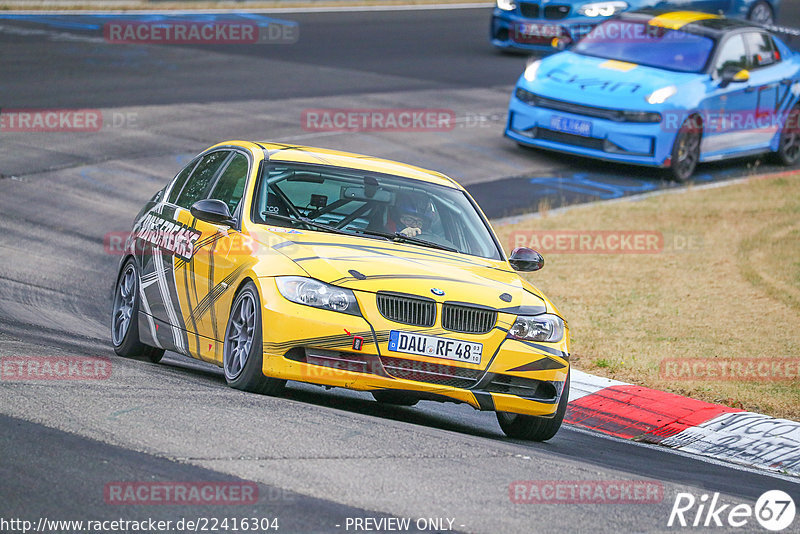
x=774 y=511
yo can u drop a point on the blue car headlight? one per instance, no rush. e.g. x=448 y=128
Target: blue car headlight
x=602 y=9
x=507 y=5
x=317 y=294
x=531 y=69
x=545 y=327
x=659 y=96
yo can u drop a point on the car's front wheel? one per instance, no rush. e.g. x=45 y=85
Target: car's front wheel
x=242 y=355
x=531 y=427
x=789 y=146
x=125 y=317
x=686 y=149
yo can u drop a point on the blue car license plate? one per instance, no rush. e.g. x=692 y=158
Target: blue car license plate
x=571 y=126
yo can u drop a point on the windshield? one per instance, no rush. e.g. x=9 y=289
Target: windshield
x=653 y=46
x=373 y=205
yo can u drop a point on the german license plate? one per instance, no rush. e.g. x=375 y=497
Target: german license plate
x=571 y=126
x=434 y=346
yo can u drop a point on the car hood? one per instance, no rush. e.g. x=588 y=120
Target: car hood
x=601 y=82
x=374 y=265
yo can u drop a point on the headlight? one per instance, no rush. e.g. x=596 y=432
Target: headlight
x=506 y=5
x=530 y=70
x=317 y=294
x=602 y=9
x=659 y=96
x=544 y=327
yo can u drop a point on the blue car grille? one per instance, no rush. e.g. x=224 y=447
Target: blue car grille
x=529 y=9
x=617 y=115
x=569 y=107
x=532 y=10
x=546 y=134
x=556 y=12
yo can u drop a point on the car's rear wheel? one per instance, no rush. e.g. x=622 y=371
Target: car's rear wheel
x=125 y=317
x=686 y=149
x=789 y=145
x=398 y=398
x=534 y=428
x=242 y=355
x=761 y=13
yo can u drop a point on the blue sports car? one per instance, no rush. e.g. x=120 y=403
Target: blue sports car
x=663 y=89
x=530 y=25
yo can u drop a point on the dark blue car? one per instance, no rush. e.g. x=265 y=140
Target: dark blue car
x=531 y=25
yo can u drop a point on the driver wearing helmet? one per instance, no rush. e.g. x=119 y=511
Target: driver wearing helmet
x=413 y=213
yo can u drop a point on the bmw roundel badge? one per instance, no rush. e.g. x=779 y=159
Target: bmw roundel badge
x=436 y=291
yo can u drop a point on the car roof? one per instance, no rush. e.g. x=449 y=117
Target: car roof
x=694 y=22
x=290 y=153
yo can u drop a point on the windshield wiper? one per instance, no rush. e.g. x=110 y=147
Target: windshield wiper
x=397 y=236
x=306 y=221
x=311 y=223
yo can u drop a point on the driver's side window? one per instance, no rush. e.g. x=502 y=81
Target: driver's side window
x=231 y=183
x=732 y=55
x=197 y=186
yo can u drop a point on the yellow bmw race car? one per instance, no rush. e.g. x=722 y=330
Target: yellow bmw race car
x=279 y=262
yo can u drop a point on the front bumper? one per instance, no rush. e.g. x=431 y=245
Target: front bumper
x=317 y=346
x=647 y=144
x=505 y=30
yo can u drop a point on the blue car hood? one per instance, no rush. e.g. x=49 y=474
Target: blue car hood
x=600 y=82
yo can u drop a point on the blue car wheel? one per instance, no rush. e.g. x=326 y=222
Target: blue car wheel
x=761 y=13
x=686 y=150
x=789 y=148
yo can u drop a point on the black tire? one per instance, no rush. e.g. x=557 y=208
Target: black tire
x=243 y=341
x=789 y=145
x=125 y=317
x=397 y=398
x=686 y=149
x=531 y=427
x=761 y=13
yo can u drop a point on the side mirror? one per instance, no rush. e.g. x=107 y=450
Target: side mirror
x=733 y=74
x=213 y=211
x=526 y=259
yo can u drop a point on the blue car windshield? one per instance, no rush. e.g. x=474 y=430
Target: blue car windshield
x=645 y=44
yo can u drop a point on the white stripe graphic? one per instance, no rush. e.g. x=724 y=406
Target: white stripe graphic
x=149 y=315
x=167 y=299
